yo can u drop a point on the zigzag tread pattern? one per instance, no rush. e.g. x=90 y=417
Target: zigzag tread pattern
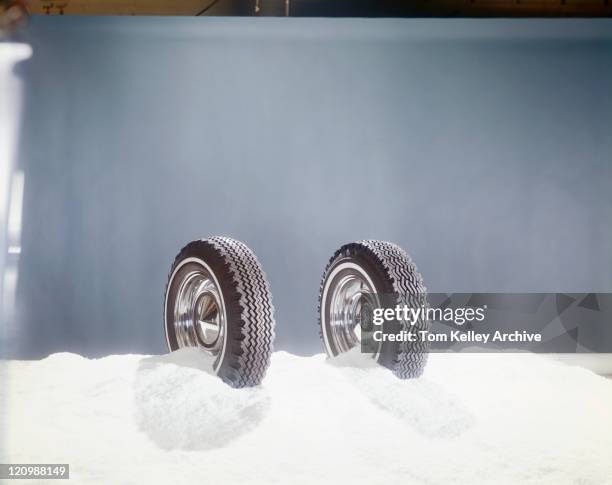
x=408 y=287
x=257 y=311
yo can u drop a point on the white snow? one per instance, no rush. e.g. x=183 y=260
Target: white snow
x=471 y=419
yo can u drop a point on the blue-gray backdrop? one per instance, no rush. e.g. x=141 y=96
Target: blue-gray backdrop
x=484 y=147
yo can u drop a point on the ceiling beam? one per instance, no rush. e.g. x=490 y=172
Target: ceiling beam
x=323 y=8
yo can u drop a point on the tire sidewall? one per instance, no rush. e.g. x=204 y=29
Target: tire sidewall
x=206 y=256
x=383 y=286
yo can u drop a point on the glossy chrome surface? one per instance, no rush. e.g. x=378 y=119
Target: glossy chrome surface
x=199 y=313
x=352 y=300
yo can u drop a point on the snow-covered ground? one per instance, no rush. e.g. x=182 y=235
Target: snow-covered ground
x=472 y=419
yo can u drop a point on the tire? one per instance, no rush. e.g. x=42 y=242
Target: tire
x=375 y=273
x=218 y=299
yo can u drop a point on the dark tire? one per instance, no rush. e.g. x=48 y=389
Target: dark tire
x=386 y=270
x=218 y=299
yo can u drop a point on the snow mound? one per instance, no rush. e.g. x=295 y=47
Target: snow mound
x=181 y=404
x=417 y=402
x=471 y=419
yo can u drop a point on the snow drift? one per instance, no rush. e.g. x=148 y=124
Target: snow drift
x=471 y=419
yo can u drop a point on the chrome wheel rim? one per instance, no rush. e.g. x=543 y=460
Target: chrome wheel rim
x=349 y=298
x=199 y=312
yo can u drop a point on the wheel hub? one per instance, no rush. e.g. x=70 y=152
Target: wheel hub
x=199 y=316
x=352 y=301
